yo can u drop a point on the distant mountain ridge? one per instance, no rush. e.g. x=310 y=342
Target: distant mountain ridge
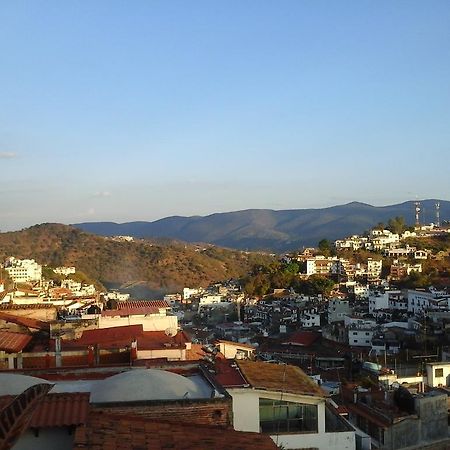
x=265 y=229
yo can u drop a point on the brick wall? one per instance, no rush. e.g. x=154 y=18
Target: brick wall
x=214 y=412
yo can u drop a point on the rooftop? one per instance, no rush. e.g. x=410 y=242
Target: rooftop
x=13 y=342
x=108 y=431
x=276 y=377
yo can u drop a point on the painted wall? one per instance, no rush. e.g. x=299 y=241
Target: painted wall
x=246 y=418
x=150 y=323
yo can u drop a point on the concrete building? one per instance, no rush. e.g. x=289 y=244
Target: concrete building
x=338 y=309
x=284 y=403
x=23 y=270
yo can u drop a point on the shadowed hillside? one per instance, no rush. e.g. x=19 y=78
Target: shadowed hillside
x=160 y=264
x=271 y=230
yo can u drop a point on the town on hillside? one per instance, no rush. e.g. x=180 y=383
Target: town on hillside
x=343 y=346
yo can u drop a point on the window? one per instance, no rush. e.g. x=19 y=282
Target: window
x=277 y=416
x=438 y=373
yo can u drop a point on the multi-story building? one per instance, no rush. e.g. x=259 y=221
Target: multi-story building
x=283 y=402
x=23 y=270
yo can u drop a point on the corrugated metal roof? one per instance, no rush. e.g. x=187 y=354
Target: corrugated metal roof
x=13 y=342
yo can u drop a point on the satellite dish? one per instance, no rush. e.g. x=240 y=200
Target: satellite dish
x=171 y=332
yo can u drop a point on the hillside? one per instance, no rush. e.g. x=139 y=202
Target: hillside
x=263 y=229
x=160 y=265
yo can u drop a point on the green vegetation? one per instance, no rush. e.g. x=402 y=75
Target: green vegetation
x=160 y=264
x=264 y=279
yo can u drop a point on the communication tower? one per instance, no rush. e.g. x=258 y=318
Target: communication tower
x=438 y=214
x=417 y=210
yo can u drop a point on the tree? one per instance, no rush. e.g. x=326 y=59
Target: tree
x=325 y=247
x=397 y=225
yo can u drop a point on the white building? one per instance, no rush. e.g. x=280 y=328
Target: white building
x=282 y=401
x=66 y=271
x=374 y=269
x=210 y=300
x=424 y=301
x=438 y=374
x=381 y=299
x=338 y=309
x=190 y=292
x=23 y=270
x=360 y=335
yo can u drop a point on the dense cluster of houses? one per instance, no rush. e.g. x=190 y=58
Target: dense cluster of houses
x=287 y=370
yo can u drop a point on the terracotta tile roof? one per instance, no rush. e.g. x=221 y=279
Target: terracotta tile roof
x=151 y=340
x=143 y=304
x=121 y=337
x=57 y=410
x=108 y=431
x=25 y=321
x=302 y=338
x=13 y=342
x=143 y=310
x=228 y=374
x=110 y=335
x=279 y=377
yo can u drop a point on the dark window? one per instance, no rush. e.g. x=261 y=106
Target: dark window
x=438 y=372
x=277 y=416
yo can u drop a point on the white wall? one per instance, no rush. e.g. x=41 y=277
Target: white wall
x=434 y=381
x=149 y=323
x=246 y=418
x=324 y=441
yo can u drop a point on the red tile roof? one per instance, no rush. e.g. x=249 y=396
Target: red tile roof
x=25 y=321
x=13 y=342
x=143 y=310
x=58 y=410
x=143 y=304
x=152 y=340
x=109 y=431
x=302 y=338
x=121 y=337
x=110 y=335
x=228 y=374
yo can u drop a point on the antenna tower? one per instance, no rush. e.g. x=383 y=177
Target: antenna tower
x=417 y=209
x=438 y=214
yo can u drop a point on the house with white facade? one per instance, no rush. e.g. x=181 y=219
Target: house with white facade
x=338 y=309
x=23 y=270
x=438 y=374
x=283 y=402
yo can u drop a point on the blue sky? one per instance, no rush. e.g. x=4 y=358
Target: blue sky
x=114 y=110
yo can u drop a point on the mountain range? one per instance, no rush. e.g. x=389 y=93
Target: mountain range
x=266 y=229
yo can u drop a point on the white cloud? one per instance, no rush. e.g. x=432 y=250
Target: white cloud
x=8 y=155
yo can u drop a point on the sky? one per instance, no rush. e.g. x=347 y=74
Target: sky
x=121 y=111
